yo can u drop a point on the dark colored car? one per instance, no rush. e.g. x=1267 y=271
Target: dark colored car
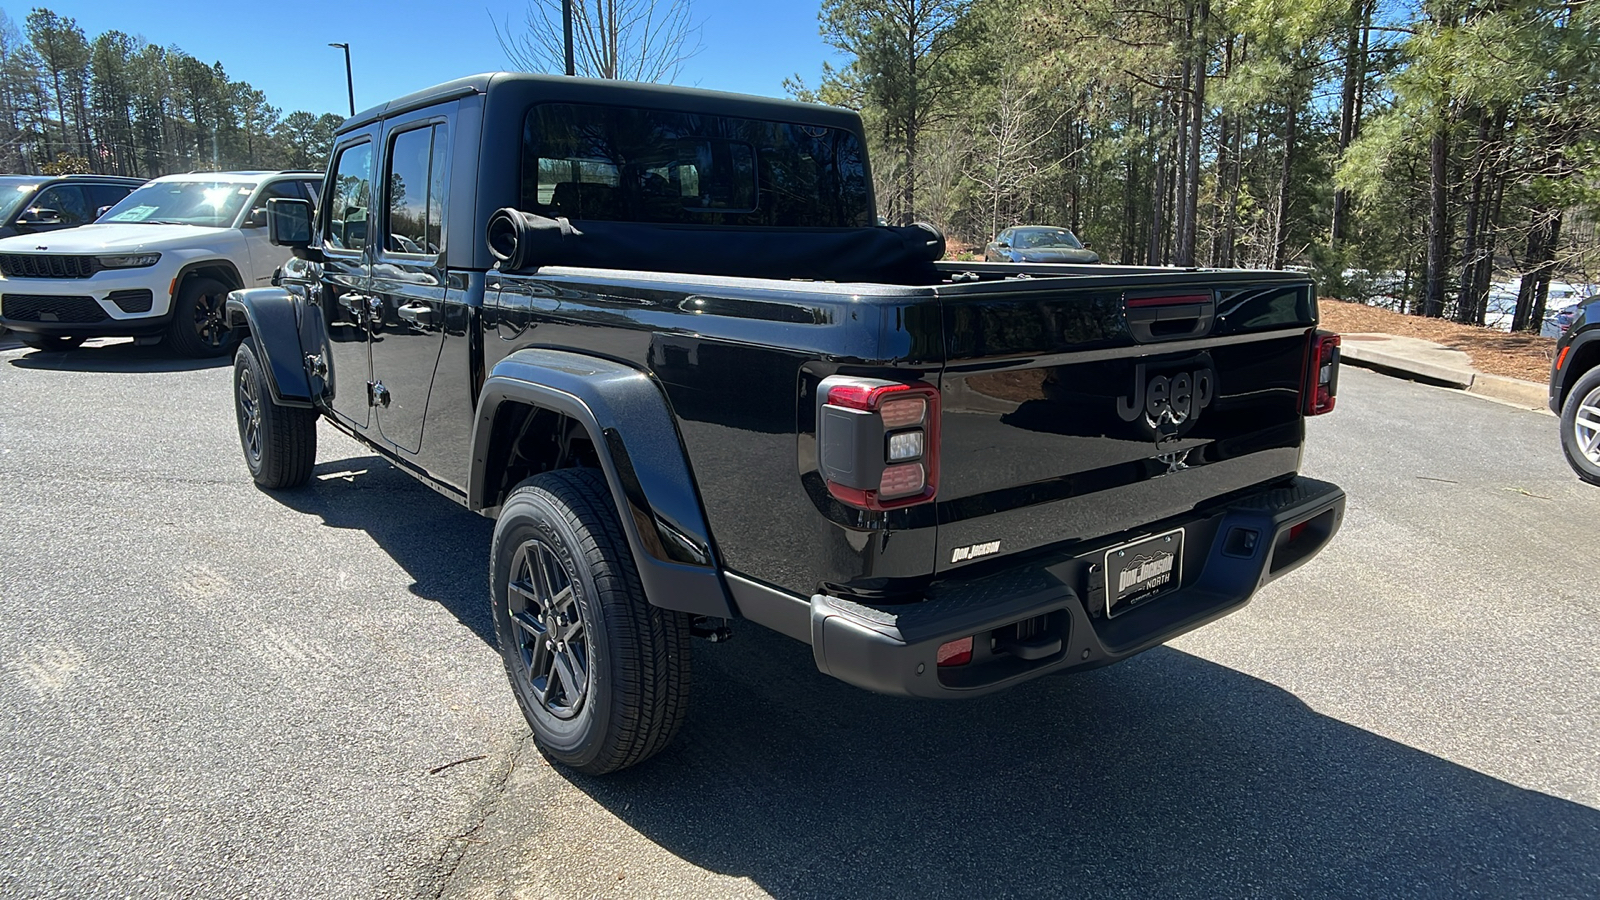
x=35 y=203
x=1564 y=318
x=654 y=333
x=1575 y=390
x=1038 y=243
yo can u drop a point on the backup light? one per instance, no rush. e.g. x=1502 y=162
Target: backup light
x=905 y=445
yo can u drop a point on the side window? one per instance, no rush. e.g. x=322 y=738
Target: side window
x=415 y=186
x=278 y=190
x=347 y=213
x=103 y=195
x=67 y=200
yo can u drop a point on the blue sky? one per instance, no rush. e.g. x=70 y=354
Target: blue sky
x=398 y=46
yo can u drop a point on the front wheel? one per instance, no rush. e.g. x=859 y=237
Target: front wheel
x=1580 y=427
x=199 y=325
x=601 y=675
x=279 y=442
x=52 y=343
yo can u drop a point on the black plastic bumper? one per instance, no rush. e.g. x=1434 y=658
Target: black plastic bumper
x=140 y=327
x=1047 y=615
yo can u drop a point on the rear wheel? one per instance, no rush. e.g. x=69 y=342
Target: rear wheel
x=49 y=342
x=1580 y=427
x=200 y=319
x=279 y=442
x=601 y=675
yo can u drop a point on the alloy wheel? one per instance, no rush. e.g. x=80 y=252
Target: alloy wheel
x=1586 y=427
x=209 y=322
x=553 y=643
x=249 y=414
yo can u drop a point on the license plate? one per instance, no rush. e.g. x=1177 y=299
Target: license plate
x=1138 y=571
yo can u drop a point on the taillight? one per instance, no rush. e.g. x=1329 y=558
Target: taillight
x=1321 y=386
x=878 y=441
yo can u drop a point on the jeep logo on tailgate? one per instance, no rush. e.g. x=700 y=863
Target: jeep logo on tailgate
x=1168 y=399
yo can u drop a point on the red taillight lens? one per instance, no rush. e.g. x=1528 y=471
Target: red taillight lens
x=1320 y=387
x=1296 y=530
x=878 y=441
x=954 y=653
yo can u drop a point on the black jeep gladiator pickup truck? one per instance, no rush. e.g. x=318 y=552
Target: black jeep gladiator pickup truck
x=656 y=334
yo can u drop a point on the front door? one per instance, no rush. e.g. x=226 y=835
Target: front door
x=408 y=277
x=264 y=257
x=345 y=288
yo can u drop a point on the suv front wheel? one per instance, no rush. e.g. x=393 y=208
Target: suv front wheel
x=200 y=319
x=1580 y=426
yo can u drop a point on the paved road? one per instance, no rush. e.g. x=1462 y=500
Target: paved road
x=207 y=690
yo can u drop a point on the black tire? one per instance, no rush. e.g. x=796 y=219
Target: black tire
x=199 y=327
x=279 y=442
x=50 y=343
x=1583 y=398
x=634 y=658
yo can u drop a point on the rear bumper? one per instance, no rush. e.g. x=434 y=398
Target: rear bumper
x=1046 y=615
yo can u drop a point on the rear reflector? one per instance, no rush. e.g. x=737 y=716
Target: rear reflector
x=1562 y=359
x=902 y=481
x=903 y=413
x=1296 y=530
x=955 y=653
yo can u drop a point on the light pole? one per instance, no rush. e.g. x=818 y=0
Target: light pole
x=566 y=29
x=349 y=80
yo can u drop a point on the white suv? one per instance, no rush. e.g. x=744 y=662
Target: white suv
x=156 y=266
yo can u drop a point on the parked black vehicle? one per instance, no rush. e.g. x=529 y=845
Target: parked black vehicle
x=34 y=203
x=1575 y=390
x=655 y=333
x=1038 y=243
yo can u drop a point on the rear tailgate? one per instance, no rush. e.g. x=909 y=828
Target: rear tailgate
x=1086 y=408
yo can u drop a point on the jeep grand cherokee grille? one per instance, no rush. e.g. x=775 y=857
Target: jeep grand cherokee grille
x=47 y=265
x=44 y=308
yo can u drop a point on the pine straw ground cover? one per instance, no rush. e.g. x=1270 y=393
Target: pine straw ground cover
x=1525 y=356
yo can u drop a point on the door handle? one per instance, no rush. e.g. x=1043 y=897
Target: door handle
x=418 y=314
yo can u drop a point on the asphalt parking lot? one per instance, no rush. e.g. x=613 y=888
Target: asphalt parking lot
x=206 y=690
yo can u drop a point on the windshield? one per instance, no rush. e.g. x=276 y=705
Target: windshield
x=14 y=192
x=1046 y=239
x=213 y=204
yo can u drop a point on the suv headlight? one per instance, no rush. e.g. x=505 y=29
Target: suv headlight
x=131 y=261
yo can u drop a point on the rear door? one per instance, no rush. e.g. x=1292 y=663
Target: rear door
x=408 y=278
x=1074 y=413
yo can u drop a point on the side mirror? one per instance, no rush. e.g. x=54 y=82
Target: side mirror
x=101 y=211
x=288 y=222
x=1087 y=245
x=1003 y=245
x=256 y=219
x=40 y=215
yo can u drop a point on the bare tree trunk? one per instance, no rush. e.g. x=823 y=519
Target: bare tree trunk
x=1438 y=222
x=1158 y=191
x=1188 y=225
x=1467 y=311
x=1355 y=75
x=1535 y=289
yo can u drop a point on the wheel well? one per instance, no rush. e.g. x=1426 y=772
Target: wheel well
x=221 y=271
x=527 y=440
x=1584 y=359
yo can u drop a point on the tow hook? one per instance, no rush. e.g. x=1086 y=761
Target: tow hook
x=711 y=628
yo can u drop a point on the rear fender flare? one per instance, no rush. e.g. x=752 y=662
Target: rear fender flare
x=269 y=315
x=636 y=441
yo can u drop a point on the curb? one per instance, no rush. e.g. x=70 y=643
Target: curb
x=1368 y=352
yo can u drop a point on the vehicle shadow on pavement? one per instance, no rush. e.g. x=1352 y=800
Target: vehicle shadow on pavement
x=1166 y=775
x=122 y=356
x=443 y=547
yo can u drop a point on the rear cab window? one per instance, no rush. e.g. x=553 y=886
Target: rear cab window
x=625 y=164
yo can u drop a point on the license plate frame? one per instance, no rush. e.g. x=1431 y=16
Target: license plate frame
x=1155 y=564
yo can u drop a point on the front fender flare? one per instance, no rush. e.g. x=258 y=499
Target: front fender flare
x=269 y=314
x=636 y=440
